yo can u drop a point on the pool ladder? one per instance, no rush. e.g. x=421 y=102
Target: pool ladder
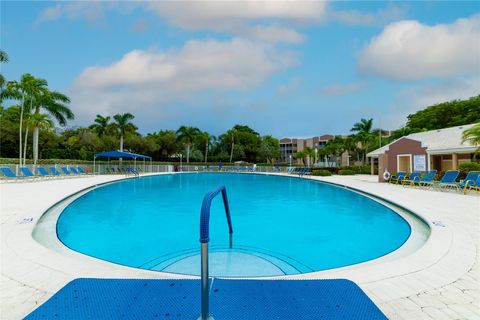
x=204 y=239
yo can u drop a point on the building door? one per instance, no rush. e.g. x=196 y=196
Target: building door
x=404 y=162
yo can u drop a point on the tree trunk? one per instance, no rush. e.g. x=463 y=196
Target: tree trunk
x=36 y=132
x=231 y=152
x=206 y=152
x=20 y=131
x=188 y=152
x=121 y=143
x=25 y=147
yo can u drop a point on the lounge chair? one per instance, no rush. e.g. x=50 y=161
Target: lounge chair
x=28 y=173
x=74 y=171
x=398 y=178
x=81 y=170
x=65 y=171
x=43 y=172
x=54 y=171
x=132 y=171
x=9 y=174
x=448 y=180
x=426 y=179
x=470 y=179
x=414 y=176
x=472 y=185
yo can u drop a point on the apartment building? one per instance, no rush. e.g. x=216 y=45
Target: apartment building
x=290 y=146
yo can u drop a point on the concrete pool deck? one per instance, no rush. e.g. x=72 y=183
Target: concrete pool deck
x=441 y=280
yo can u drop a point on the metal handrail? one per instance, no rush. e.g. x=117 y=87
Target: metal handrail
x=205 y=238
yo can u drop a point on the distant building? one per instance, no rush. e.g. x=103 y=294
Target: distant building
x=439 y=150
x=290 y=146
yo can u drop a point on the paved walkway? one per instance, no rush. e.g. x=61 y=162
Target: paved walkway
x=439 y=281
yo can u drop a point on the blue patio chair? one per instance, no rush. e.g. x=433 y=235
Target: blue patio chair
x=43 y=172
x=472 y=185
x=81 y=170
x=28 y=173
x=426 y=179
x=9 y=174
x=74 y=171
x=469 y=180
x=398 y=178
x=414 y=176
x=448 y=180
x=54 y=171
x=65 y=171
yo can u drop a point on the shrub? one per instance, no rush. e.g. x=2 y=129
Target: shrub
x=365 y=169
x=322 y=173
x=469 y=166
x=333 y=170
x=346 y=172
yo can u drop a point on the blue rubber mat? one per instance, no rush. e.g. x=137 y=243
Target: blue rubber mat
x=229 y=300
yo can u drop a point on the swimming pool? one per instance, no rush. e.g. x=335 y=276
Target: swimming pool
x=282 y=225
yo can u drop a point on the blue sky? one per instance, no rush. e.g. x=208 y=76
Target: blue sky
x=283 y=68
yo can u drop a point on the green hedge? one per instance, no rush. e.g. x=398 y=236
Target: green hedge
x=365 y=169
x=321 y=173
x=333 y=170
x=346 y=172
x=469 y=166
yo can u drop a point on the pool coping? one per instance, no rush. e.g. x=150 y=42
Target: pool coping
x=448 y=254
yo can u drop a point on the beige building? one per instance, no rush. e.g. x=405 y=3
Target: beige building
x=290 y=146
x=439 y=150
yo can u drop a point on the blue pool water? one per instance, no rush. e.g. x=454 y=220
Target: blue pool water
x=282 y=225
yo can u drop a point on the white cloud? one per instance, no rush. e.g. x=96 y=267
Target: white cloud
x=229 y=15
x=239 y=18
x=274 y=34
x=151 y=79
x=359 y=18
x=447 y=90
x=87 y=10
x=408 y=50
x=342 y=89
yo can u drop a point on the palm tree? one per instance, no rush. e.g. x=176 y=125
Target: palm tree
x=37 y=121
x=206 y=138
x=309 y=153
x=231 y=135
x=472 y=135
x=3 y=56
x=54 y=103
x=187 y=135
x=301 y=155
x=124 y=124
x=28 y=88
x=363 y=130
x=101 y=125
x=3 y=59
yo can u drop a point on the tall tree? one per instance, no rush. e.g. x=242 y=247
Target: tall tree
x=205 y=139
x=446 y=114
x=53 y=103
x=101 y=125
x=472 y=135
x=123 y=125
x=3 y=59
x=36 y=121
x=301 y=155
x=363 y=131
x=27 y=89
x=231 y=135
x=187 y=135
